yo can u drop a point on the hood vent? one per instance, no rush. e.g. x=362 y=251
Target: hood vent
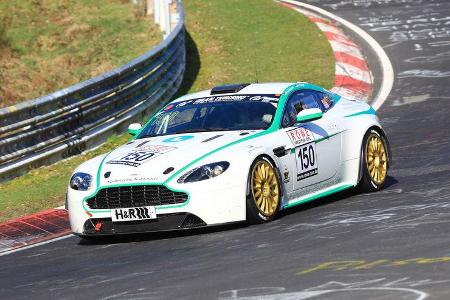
x=168 y=170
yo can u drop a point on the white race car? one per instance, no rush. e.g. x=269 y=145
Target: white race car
x=233 y=153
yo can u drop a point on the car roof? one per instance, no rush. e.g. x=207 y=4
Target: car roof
x=254 y=88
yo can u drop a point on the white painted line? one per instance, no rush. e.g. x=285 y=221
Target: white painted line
x=386 y=66
x=354 y=72
x=36 y=245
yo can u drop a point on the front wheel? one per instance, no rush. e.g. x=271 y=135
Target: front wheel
x=375 y=162
x=264 y=197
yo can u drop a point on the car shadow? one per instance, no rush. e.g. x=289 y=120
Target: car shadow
x=390 y=181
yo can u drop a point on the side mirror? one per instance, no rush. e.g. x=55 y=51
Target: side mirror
x=309 y=114
x=134 y=128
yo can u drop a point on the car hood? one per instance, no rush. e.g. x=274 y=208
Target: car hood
x=156 y=159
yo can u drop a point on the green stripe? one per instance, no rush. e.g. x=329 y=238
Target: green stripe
x=370 y=111
x=99 y=171
x=320 y=195
x=327 y=137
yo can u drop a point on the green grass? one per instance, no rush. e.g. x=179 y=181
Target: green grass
x=254 y=40
x=46 y=45
x=227 y=42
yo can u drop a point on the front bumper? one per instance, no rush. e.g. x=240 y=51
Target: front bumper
x=208 y=204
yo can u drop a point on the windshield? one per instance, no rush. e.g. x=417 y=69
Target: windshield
x=215 y=113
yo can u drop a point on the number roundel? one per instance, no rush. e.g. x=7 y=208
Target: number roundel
x=306 y=161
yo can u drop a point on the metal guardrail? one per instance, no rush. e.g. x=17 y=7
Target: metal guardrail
x=67 y=122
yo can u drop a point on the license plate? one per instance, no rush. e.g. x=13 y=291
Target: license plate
x=133 y=214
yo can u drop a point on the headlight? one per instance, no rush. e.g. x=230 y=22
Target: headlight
x=204 y=172
x=80 y=181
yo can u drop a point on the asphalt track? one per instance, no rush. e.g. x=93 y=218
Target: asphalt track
x=394 y=244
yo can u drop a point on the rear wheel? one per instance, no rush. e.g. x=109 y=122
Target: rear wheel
x=375 y=162
x=264 y=197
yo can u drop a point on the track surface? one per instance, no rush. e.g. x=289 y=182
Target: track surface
x=394 y=244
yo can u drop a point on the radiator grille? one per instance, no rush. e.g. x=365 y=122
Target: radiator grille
x=135 y=196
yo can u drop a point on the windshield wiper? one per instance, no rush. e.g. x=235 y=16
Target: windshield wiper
x=206 y=129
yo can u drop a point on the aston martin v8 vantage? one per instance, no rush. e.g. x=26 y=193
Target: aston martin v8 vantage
x=232 y=153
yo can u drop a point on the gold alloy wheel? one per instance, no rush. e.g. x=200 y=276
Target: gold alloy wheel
x=376 y=159
x=265 y=188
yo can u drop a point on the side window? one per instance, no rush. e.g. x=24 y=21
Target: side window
x=325 y=101
x=298 y=101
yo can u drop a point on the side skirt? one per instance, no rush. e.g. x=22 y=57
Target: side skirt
x=317 y=195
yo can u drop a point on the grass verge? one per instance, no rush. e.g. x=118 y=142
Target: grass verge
x=227 y=41
x=47 y=45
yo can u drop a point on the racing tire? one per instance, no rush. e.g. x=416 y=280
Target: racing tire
x=264 y=191
x=374 y=164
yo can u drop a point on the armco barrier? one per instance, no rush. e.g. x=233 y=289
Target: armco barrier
x=68 y=121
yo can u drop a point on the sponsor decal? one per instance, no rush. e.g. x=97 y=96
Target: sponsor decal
x=306 y=160
x=300 y=136
x=138 y=156
x=133 y=214
x=326 y=103
x=299 y=193
x=231 y=98
x=183 y=103
x=286 y=175
x=263 y=98
x=133 y=179
x=176 y=139
x=157 y=148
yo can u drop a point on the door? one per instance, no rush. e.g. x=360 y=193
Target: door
x=315 y=145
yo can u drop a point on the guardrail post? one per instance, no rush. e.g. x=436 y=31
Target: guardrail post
x=162 y=15
x=167 y=17
x=149 y=9
x=156 y=10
